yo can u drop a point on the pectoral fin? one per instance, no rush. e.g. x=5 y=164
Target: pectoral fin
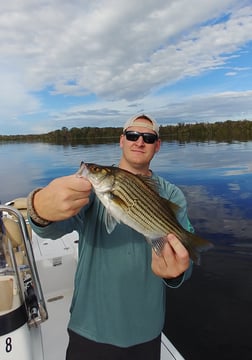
x=110 y=222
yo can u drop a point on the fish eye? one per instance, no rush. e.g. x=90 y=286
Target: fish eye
x=95 y=168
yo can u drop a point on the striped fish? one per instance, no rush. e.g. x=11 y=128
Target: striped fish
x=134 y=200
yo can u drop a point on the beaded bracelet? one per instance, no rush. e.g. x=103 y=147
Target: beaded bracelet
x=32 y=212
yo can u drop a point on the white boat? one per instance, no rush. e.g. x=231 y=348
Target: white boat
x=36 y=284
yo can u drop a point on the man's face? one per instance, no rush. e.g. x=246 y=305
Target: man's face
x=139 y=153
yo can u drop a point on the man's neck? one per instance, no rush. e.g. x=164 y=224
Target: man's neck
x=135 y=169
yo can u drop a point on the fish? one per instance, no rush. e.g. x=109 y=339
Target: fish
x=133 y=199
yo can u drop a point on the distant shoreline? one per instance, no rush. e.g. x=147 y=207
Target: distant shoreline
x=240 y=130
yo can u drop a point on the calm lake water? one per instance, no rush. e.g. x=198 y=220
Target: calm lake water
x=216 y=178
x=210 y=316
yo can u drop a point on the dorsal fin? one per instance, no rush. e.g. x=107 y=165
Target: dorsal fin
x=150 y=182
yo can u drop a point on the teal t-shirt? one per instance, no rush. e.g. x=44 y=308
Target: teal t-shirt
x=117 y=298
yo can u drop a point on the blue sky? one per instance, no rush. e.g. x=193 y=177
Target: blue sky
x=96 y=63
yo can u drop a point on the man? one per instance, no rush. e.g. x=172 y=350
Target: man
x=118 y=305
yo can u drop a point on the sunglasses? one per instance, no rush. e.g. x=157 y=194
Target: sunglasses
x=148 y=138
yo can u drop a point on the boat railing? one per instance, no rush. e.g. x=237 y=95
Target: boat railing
x=15 y=242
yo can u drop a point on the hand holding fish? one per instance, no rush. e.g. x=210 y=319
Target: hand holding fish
x=62 y=198
x=174 y=259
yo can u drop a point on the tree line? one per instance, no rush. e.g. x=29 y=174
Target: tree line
x=240 y=130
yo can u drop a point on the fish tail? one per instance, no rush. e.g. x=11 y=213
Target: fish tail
x=195 y=245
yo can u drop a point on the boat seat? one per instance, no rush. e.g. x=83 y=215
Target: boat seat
x=12 y=227
x=7 y=292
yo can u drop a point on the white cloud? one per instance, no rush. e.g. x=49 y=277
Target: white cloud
x=15 y=97
x=122 y=51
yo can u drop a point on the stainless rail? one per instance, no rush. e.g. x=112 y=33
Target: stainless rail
x=43 y=314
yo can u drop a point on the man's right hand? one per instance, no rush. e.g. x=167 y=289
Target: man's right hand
x=62 y=198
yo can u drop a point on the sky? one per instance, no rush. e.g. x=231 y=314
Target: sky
x=96 y=63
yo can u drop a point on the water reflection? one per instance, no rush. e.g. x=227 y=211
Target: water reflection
x=212 y=214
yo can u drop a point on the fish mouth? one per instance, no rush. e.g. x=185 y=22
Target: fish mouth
x=83 y=170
